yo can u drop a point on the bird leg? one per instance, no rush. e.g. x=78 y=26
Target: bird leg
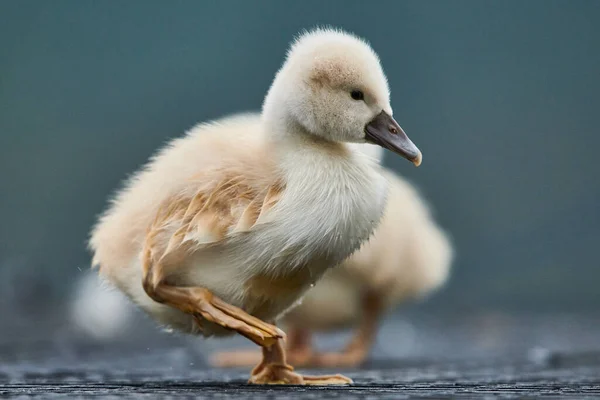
x=298 y=346
x=357 y=350
x=202 y=304
x=274 y=370
x=300 y=351
x=235 y=358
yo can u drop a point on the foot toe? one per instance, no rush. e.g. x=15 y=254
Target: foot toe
x=336 y=379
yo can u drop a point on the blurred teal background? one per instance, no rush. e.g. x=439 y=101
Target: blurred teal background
x=501 y=96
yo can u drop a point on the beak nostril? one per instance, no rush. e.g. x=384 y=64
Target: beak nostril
x=393 y=130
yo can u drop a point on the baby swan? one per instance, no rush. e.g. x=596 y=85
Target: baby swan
x=228 y=226
x=407 y=257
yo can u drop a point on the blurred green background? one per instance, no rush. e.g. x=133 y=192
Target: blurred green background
x=501 y=96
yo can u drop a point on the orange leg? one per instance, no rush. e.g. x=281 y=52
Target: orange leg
x=299 y=352
x=357 y=350
x=299 y=347
x=204 y=306
x=274 y=369
x=235 y=358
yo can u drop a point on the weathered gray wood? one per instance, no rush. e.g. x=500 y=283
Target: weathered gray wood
x=505 y=365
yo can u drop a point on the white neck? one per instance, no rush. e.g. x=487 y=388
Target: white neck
x=335 y=195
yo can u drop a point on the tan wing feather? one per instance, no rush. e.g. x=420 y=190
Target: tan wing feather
x=187 y=222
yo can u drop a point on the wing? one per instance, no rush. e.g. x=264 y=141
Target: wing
x=206 y=215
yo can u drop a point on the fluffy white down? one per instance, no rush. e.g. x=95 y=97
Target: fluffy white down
x=419 y=266
x=104 y=313
x=333 y=198
x=99 y=310
x=408 y=257
x=374 y=152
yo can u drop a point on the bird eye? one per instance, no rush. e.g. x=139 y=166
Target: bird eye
x=357 y=95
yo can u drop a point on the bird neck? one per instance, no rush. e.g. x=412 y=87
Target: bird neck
x=335 y=194
x=297 y=149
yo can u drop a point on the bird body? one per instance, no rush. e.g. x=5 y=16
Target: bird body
x=275 y=222
x=225 y=228
x=407 y=257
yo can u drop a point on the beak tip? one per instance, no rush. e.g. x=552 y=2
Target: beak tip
x=418 y=160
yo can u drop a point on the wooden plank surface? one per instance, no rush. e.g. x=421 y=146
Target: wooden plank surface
x=563 y=362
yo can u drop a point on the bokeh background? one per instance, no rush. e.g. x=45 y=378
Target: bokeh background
x=501 y=96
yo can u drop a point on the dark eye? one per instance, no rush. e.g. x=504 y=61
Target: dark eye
x=357 y=95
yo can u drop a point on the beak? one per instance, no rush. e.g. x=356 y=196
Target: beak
x=384 y=131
